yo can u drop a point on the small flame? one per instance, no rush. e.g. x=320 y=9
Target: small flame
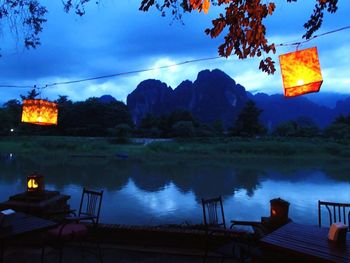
x=300 y=82
x=32 y=183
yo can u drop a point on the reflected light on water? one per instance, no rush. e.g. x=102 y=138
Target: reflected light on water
x=169 y=203
x=302 y=195
x=132 y=205
x=151 y=195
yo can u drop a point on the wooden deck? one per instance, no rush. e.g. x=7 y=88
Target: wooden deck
x=303 y=243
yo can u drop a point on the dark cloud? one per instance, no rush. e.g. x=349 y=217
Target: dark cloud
x=116 y=37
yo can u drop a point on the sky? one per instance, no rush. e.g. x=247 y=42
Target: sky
x=116 y=37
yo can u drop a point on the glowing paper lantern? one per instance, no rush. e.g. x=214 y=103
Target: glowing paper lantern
x=40 y=112
x=301 y=72
x=35 y=183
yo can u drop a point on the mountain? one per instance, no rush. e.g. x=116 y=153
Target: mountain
x=107 y=99
x=277 y=109
x=328 y=99
x=216 y=96
x=212 y=96
x=343 y=107
x=150 y=96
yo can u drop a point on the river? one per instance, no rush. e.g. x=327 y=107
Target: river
x=144 y=193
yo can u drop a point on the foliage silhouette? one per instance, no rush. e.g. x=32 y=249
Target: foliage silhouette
x=245 y=37
x=247 y=123
x=244 y=24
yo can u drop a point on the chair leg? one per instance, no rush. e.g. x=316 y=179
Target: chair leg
x=43 y=254
x=82 y=251
x=99 y=251
x=206 y=250
x=205 y=255
x=2 y=253
x=60 y=254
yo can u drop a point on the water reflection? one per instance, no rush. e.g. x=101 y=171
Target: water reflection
x=141 y=193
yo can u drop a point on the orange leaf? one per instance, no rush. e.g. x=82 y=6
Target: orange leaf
x=271 y=8
x=206 y=6
x=195 y=3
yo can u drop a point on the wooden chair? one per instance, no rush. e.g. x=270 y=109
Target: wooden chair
x=337 y=212
x=237 y=245
x=74 y=227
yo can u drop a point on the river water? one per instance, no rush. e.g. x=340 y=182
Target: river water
x=154 y=193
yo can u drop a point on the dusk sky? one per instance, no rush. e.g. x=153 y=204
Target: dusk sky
x=116 y=37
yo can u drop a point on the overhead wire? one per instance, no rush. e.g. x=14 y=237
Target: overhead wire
x=298 y=43
x=132 y=72
x=111 y=75
x=295 y=43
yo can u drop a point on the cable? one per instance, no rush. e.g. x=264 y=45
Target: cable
x=14 y=86
x=131 y=72
x=162 y=67
x=109 y=76
x=312 y=38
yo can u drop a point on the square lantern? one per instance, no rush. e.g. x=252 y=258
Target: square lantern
x=40 y=112
x=301 y=72
x=279 y=210
x=35 y=183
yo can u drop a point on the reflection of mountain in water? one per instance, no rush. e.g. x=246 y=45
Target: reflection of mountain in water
x=204 y=180
x=95 y=173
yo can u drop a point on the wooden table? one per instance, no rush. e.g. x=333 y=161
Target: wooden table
x=303 y=243
x=22 y=224
x=43 y=205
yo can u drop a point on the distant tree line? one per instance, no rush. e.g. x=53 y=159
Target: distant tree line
x=84 y=118
x=93 y=117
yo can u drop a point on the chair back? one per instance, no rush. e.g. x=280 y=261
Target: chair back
x=337 y=212
x=90 y=204
x=213 y=213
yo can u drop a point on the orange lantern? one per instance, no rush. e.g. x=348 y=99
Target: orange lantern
x=279 y=209
x=301 y=72
x=40 y=112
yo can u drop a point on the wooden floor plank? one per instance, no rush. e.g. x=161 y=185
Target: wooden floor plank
x=308 y=241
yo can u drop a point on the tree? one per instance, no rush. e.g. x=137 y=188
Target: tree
x=247 y=123
x=183 y=129
x=341 y=119
x=218 y=127
x=122 y=132
x=340 y=128
x=285 y=129
x=31 y=95
x=149 y=126
x=10 y=116
x=246 y=34
x=245 y=37
x=27 y=16
x=301 y=127
x=337 y=131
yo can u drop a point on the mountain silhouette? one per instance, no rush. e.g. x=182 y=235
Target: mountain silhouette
x=107 y=99
x=216 y=96
x=212 y=96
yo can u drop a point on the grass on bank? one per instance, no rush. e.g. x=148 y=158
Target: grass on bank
x=215 y=148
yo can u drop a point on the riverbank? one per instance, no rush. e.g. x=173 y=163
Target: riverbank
x=195 y=148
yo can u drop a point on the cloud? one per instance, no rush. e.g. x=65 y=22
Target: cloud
x=116 y=37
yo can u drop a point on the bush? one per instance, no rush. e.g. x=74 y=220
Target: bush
x=122 y=132
x=183 y=129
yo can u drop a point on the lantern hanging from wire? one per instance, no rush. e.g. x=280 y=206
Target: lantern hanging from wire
x=301 y=72
x=39 y=112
